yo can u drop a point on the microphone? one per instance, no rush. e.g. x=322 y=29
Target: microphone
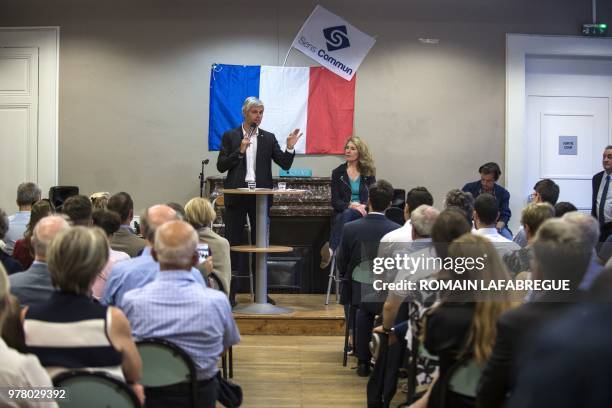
x=253 y=127
x=205 y=162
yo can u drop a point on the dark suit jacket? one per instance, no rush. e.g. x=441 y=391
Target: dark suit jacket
x=341 y=188
x=231 y=160
x=596 y=182
x=513 y=327
x=360 y=240
x=32 y=287
x=501 y=195
x=10 y=264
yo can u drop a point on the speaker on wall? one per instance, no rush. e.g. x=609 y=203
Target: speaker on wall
x=59 y=194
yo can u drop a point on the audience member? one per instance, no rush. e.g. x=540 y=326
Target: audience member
x=17 y=370
x=544 y=191
x=531 y=218
x=601 y=207
x=485 y=216
x=463 y=201
x=177 y=308
x=564 y=207
x=79 y=209
x=23 y=251
x=461 y=327
x=70 y=331
x=589 y=231
x=359 y=247
x=137 y=272
x=200 y=213
x=125 y=240
x=27 y=195
x=560 y=254
x=99 y=201
x=34 y=286
x=109 y=221
x=180 y=211
x=489 y=175
x=10 y=264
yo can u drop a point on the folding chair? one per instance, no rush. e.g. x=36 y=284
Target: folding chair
x=333 y=278
x=95 y=389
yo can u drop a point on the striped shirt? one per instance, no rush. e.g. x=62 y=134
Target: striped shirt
x=176 y=308
x=71 y=331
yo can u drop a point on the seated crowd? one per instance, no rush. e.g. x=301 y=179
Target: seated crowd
x=92 y=289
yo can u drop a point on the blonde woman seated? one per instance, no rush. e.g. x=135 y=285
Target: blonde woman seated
x=200 y=213
x=17 y=370
x=462 y=327
x=72 y=331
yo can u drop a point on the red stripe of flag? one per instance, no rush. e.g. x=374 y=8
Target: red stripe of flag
x=331 y=109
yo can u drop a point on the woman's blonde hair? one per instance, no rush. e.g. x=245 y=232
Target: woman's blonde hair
x=489 y=304
x=75 y=257
x=365 y=163
x=199 y=212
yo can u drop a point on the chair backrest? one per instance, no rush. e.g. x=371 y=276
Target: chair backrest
x=464 y=378
x=164 y=363
x=395 y=214
x=94 y=390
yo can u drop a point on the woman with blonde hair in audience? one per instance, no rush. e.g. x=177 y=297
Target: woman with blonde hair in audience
x=17 y=370
x=350 y=184
x=200 y=213
x=24 y=251
x=71 y=331
x=462 y=327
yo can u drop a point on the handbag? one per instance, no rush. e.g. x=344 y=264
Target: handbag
x=228 y=393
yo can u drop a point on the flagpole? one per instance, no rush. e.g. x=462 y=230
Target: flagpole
x=296 y=36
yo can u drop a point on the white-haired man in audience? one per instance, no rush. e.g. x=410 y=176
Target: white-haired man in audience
x=137 y=272
x=34 y=286
x=178 y=308
x=589 y=230
x=27 y=194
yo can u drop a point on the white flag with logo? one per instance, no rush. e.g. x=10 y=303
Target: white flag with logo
x=333 y=42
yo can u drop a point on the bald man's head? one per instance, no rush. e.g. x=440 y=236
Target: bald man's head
x=45 y=230
x=175 y=245
x=153 y=218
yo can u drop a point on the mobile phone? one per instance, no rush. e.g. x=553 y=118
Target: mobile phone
x=204 y=251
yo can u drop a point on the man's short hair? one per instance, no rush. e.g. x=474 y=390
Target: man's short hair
x=548 y=191
x=199 y=212
x=418 y=196
x=250 y=103
x=490 y=168
x=380 y=195
x=175 y=249
x=535 y=214
x=28 y=193
x=42 y=235
x=586 y=224
x=122 y=204
x=485 y=206
x=79 y=209
x=422 y=219
x=560 y=252
x=4 y=223
x=449 y=225
x=463 y=200
x=108 y=220
x=75 y=258
x=563 y=208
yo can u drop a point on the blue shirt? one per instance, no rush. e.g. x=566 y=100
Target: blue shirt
x=355 y=189
x=197 y=319
x=134 y=273
x=18 y=223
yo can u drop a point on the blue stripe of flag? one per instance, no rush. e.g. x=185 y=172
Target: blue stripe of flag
x=230 y=85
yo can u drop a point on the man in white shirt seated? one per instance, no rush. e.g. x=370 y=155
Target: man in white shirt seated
x=485 y=217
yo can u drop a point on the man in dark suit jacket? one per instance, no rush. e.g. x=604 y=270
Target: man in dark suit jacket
x=124 y=239
x=246 y=154
x=599 y=185
x=34 y=286
x=360 y=241
x=560 y=253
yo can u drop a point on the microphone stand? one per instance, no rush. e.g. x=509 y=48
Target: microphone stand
x=201 y=177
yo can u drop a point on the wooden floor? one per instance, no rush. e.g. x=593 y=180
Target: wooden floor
x=310 y=316
x=297 y=371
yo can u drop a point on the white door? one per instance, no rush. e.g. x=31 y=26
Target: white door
x=18 y=121
x=566 y=137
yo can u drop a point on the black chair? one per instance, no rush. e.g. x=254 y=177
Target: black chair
x=95 y=389
x=59 y=194
x=164 y=364
x=399 y=198
x=396 y=215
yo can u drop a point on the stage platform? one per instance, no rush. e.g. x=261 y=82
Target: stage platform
x=310 y=317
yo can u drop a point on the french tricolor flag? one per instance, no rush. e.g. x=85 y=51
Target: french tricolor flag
x=313 y=99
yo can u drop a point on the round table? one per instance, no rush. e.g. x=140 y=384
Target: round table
x=261 y=249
